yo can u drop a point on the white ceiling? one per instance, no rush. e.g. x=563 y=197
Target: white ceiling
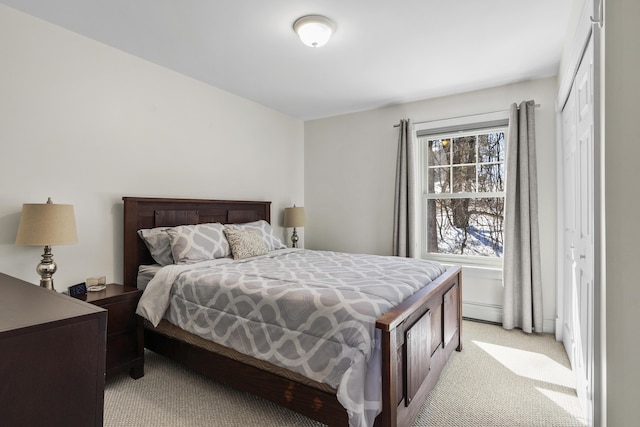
x=384 y=52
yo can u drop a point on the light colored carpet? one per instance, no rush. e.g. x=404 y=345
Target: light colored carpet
x=501 y=378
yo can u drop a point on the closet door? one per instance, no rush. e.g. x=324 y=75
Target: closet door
x=578 y=227
x=569 y=222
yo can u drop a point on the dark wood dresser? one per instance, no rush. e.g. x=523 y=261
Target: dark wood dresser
x=52 y=357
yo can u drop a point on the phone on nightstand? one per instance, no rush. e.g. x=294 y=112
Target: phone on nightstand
x=78 y=290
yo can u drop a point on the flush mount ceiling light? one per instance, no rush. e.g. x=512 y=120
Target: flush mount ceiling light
x=314 y=30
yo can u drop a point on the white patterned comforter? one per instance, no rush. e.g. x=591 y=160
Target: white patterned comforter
x=312 y=312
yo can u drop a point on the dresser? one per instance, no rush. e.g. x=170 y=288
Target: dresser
x=52 y=357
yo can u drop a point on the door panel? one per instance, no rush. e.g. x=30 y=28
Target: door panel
x=569 y=226
x=578 y=228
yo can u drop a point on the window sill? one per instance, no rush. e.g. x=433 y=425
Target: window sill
x=493 y=272
x=470 y=262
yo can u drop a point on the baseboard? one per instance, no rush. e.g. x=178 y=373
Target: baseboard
x=558 y=326
x=479 y=311
x=493 y=313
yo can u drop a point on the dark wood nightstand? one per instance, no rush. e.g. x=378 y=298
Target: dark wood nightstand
x=125 y=333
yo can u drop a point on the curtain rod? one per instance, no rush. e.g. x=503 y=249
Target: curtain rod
x=466 y=115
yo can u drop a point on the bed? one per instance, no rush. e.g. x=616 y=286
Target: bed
x=417 y=335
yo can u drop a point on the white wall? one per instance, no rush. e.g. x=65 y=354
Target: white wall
x=567 y=60
x=86 y=124
x=350 y=172
x=622 y=204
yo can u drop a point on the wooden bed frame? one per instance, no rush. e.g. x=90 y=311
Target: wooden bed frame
x=418 y=336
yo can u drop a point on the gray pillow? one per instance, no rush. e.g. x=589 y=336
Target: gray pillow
x=201 y=242
x=159 y=244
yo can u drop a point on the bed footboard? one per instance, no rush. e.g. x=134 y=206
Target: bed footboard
x=418 y=337
x=306 y=400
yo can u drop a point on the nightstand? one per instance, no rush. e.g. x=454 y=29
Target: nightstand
x=125 y=333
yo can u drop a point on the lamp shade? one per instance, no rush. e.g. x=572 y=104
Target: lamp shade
x=294 y=217
x=46 y=224
x=314 y=30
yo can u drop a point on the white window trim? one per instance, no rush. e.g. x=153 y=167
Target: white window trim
x=465 y=122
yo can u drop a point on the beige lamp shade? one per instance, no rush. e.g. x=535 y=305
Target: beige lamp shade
x=46 y=224
x=294 y=217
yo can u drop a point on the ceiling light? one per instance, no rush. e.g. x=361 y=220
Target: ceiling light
x=314 y=30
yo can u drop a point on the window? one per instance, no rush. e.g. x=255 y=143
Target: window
x=463 y=185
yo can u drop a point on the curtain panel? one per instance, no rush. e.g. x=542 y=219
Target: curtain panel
x=404 y=216
x=522 y=305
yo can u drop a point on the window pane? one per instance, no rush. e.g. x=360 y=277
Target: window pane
x=491 y=147
x=491 y=178
x=464 y=150
x=439 y=180
x=465 y=226
x=438 y=152
x=464 y=179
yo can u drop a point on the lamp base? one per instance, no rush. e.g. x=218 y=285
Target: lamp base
x=294 y=238
x=46 y=268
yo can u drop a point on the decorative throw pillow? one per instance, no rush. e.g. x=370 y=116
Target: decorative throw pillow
x=245 y=243
x=263 y=228
x=201 y=242
x=159 y=244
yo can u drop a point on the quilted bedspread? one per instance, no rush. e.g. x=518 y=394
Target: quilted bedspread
x=312 y=312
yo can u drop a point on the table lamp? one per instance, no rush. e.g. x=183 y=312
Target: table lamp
x=294 y=217
x=47 y=225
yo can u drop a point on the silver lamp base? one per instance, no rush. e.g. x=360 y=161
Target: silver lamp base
x=46 y=268
x=294 y=238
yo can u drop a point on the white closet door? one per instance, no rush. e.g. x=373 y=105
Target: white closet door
x=578 y=223
x=569 y=220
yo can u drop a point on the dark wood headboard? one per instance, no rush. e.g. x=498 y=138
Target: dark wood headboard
x=147 y=212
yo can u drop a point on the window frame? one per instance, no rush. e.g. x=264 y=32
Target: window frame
x=459 y=126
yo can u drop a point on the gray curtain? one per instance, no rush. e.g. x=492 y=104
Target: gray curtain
x=404 y=218
x=522 y=307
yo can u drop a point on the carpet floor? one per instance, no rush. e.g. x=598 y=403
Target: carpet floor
x=501 y=378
